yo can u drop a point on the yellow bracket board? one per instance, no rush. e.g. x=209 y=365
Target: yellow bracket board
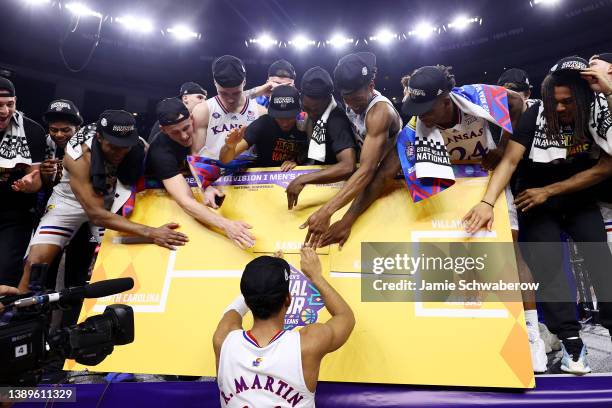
x=179 y=296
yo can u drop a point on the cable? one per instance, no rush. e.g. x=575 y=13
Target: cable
x=91 y=52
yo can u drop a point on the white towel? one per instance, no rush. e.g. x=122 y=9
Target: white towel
x=433 y=160
x=14 y=147
x=545 y=150
x=316 y=149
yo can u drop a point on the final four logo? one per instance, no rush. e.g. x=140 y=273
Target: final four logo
x=306 y=301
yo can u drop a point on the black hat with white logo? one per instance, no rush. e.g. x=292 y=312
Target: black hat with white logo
x=282 y=69
x=192 y=88
x=228 y=71
x=354 y=71
x=515 y=79
x=118 y=127
x=570 y=64
x=265 y=276
x=424 y=86
x=284 y=102
x=63 y=109
x=171 y=111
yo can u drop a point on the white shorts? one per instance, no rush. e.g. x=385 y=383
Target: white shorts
x=511 y=210
x=606 y=213
x=61 y=221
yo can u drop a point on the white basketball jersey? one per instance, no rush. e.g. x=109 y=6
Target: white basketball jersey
x=221 y=121
x=470 y=139
x=271 y=376
x=359 y=121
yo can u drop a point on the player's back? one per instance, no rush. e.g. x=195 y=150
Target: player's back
x=270 y=376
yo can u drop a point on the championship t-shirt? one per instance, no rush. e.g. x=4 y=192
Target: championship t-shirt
x=166 y=158
x=272 y=145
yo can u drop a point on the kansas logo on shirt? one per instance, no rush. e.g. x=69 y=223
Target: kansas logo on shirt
x=257 y=362
x=216 y=115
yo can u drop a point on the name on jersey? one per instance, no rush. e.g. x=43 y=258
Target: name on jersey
x=460 y=136
x=263 y=384
x=226 y=127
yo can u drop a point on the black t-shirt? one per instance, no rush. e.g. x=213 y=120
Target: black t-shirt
x=339 y=135
x=166 y=158
x=17 y=201
x=272 y=145
x=580 y=156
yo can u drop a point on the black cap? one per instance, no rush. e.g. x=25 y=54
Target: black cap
x=118 y=127
x=317 y=82
x=517 y=77
x=265 y=276
x=604 y=56
x=284 y=102
x=192 y=88
x=570 y=64
x=354 y=70
x=63 y=109
x=228 y=71
x=6 y=87
x=424 y=86
x=281 y=68
x=171 y=111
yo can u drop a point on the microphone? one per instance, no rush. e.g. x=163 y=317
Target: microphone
x=90 y=291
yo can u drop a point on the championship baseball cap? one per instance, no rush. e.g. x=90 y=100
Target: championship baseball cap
x=604 y=56
x=265 y=276
x=228 y=71
x=317 y=82
x=284 y=102
x=517 y=77
x=192 y=88
x=118 y=127
x=569 y=64
x=171 y=111
x=63 y=108
x=424 y=86
x=281 y=68
x=354 y=70
x=6 y=87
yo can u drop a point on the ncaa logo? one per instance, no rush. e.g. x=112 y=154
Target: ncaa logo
x=216 y=115
x=250 y=114
x=409 y=149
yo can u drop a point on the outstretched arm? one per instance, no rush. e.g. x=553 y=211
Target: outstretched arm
x=482 y=213
x=93 y=204
x=345 y=166
x=340 y=230
x=380 y=119
x=237 y=231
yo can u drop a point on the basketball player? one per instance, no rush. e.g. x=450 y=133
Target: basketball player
x=268 y=366
x=228 y=110
x=376 y=124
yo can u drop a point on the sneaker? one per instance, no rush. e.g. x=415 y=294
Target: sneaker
x=574 y=359
x=538 y=355
x=551 y=341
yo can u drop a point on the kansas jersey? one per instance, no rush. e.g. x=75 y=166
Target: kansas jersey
x=469 y=139
x=271 y=376
x=221 y=121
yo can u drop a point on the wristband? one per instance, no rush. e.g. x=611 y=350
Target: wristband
x=487 y=203
x=239 y=305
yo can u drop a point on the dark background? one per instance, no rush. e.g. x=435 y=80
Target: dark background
x=133 y=71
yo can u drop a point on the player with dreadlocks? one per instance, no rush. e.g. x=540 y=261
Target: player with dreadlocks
x=554 y=143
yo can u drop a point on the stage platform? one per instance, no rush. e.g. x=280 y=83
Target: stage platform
x=558 y=391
